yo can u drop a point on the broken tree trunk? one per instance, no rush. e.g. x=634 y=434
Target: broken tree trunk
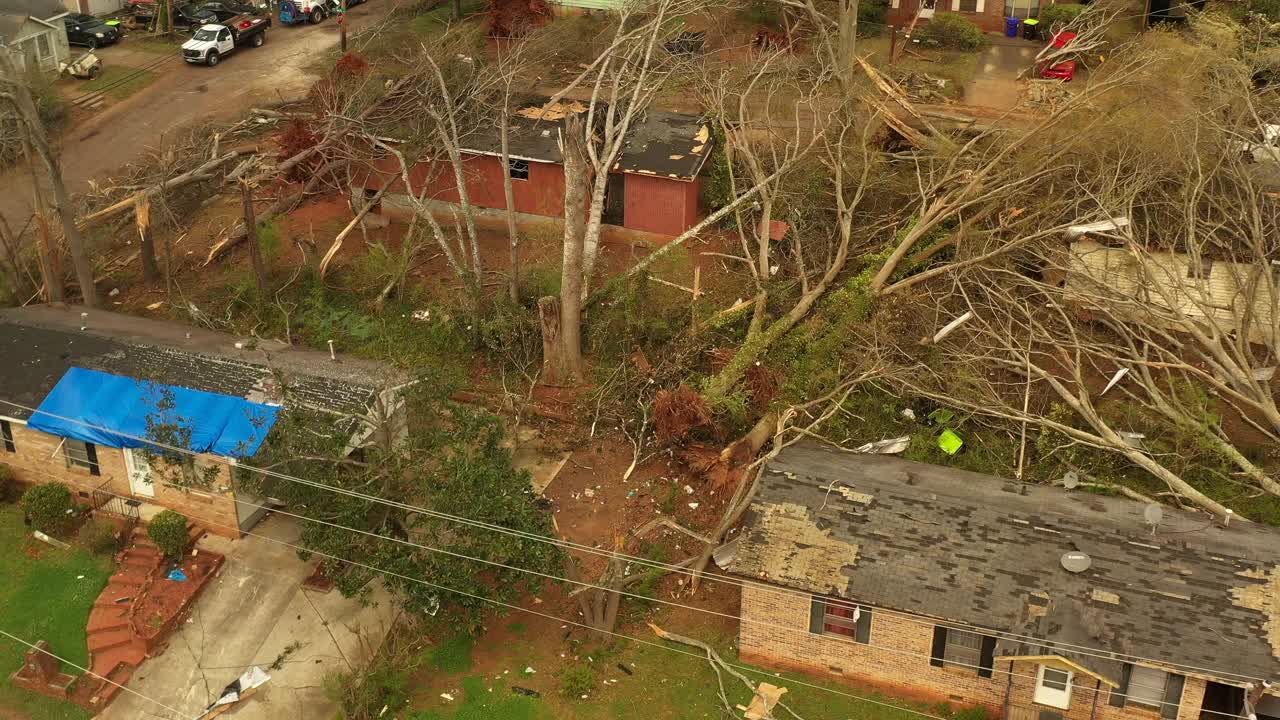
x=282 y=205
x=552 y=362
x=255 y=248
x=146 y=246
x=337 y=241
x=203 y=172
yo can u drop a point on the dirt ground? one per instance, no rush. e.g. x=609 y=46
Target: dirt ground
x=100 y=142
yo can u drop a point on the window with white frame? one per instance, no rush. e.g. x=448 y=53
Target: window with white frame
x=836 y=617
x=969 y=6
x=963 y=648
x=43 y=44
x=518 y=169
x=1053 y=687
x=1022 y=8
x=82 y=455
x=1147 y=686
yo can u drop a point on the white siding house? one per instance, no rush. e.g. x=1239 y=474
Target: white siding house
x=34 y=33
x=1231 y=294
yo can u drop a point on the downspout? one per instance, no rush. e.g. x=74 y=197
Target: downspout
x=1097 y=690
x=1008 y=689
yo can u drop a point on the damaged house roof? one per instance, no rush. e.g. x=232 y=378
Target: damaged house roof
x=40 y=343
x=981 y=551
x=660 y=143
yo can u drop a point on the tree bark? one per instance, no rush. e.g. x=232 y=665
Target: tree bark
x=251 y=235
x=553 y=372
x=513 y=236
x=146 y=246
x=26 y=107
x=576 y=176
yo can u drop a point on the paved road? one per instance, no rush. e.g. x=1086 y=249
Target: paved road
x=180 y=96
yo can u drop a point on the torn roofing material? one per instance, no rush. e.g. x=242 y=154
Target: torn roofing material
x=981 y=551
x=40 y=343
x=659 y=143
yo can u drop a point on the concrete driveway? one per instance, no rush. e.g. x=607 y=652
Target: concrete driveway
x=251 y=614
x=996 y=84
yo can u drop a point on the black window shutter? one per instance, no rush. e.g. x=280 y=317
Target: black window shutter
x=1172 y=696
x=864 y=625
x=939 y=646
x=817 y=615
x=91 y=452
x=987 y=658
x=1118 y=695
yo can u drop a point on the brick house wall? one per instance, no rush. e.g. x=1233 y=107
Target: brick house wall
x=37 y=458
x=988 y=14
x=774 y=632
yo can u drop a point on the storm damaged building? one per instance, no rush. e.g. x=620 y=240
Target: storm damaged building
x=1037 y=602
x=654 y=187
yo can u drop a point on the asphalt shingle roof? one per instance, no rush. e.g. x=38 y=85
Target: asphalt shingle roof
x=986 y=552
x=38 y=344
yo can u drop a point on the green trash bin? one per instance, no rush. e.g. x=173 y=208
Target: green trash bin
x=1031 y=29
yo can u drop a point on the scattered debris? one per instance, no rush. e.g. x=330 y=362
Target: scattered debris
x=890 y=446
x=243 y=688
x=525 y=691
x=177 y=575
x=51 y=541
x=1114 y=379
x=626 y=669
x=949 y=442
x=447 y=697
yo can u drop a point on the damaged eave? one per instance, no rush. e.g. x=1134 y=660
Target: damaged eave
x=1069 y=664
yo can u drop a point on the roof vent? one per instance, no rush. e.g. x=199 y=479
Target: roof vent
x=1076 y=561
x=1153 y=514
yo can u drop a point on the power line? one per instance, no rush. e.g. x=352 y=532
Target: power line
x=90 y=673
x=668 y=567
x=1008 y=673
x=392 y=573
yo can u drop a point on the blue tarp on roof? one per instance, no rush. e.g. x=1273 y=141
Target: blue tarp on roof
x=111 y=410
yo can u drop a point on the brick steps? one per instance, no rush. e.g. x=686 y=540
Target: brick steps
x=101 y=640
x=102 y=619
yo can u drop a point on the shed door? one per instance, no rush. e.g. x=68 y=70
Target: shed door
x=615 y=199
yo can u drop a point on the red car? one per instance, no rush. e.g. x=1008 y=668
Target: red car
x=1063 y=71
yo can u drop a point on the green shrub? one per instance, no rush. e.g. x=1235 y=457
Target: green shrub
x=49 y=507
x=168 y=531
x=577 y=681
x=8 y=485
x=100 y=536
x=1059 y=15
x=871 y=16
x=952 y=31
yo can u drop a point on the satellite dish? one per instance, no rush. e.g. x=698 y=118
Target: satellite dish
x=1071 y=481
x=1153 y=513
x=1076 y=561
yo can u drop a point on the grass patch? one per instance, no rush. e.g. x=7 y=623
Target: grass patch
x=159 y=44
x=453 y=656
x=119 y=82
x=43 y=598
x=664 y=684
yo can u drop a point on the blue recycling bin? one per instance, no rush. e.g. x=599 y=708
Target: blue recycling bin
x=1011 y=27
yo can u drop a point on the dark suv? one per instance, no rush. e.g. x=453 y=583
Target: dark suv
x=89 y=31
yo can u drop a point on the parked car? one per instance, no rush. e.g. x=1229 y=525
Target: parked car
x=191 y=16
x=231 y=8
x=211 y=42
x=89 y=31
x=1066 y=70
x=293 y=12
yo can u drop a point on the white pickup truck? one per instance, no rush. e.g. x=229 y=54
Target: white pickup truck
x=211 y=42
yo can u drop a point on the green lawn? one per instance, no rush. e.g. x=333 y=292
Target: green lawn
x=119 y=82
x=665 y=684
x=43 y=598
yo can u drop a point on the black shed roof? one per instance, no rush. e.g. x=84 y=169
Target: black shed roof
x=660 y=143
x=985 y=552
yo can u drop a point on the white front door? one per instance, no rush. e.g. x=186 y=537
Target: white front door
x=1053 y=687
x=926 y=8
x=139 y=468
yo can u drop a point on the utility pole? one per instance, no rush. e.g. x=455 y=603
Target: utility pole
x=251 y=237
x=342 y=26
x=14 y=89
